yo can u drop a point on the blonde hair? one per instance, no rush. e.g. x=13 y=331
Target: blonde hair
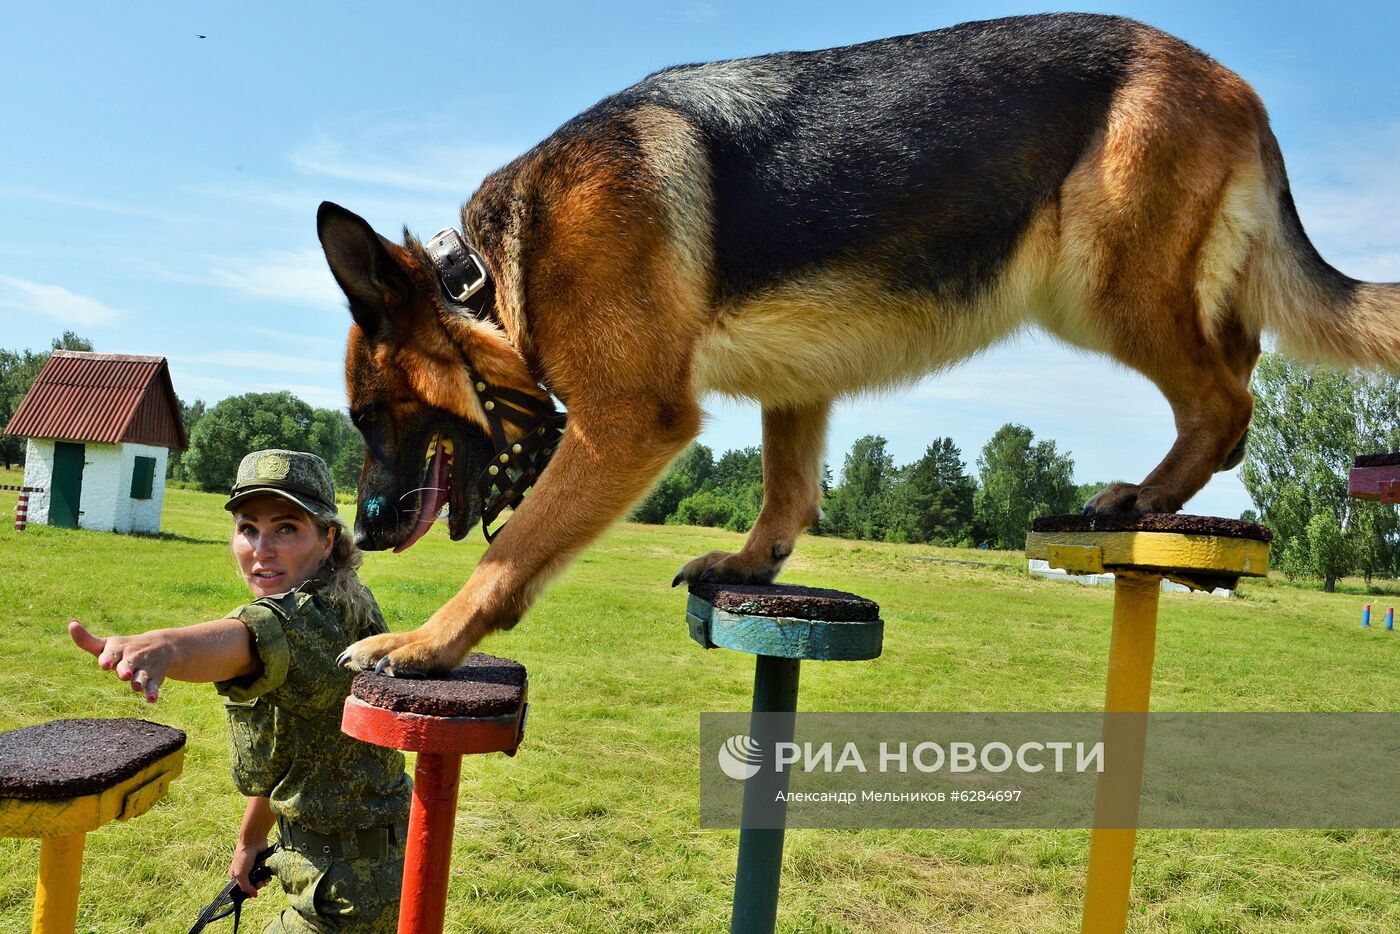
x=344 y=589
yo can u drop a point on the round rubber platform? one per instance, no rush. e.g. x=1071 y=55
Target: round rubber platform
x=483 y=686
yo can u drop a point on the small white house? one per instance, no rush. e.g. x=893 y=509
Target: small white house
x=100 y=428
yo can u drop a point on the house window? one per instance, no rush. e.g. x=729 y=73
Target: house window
x=143 y=478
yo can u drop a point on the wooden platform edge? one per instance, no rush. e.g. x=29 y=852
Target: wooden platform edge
x=782 y=636
x=56 y=817
x=1100 y=552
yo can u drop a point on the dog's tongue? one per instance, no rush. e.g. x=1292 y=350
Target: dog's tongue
x=432 y=499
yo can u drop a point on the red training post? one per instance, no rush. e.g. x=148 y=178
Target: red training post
x=479 y=707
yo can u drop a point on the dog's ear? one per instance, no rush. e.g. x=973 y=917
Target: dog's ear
x=366 y=271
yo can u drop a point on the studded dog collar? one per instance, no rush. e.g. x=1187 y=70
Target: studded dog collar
x=515 y=466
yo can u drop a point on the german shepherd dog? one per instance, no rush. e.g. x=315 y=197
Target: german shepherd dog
x=796 y=227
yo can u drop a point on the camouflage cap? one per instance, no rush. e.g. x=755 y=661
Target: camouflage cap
x=293 y=475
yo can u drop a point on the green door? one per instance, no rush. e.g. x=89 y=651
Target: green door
x=67 y=484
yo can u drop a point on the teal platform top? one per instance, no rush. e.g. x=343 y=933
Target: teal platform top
x=785 y=621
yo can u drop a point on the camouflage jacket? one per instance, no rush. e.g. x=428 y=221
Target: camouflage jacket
x=284 y=722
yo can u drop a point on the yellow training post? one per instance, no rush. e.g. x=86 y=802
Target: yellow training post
x=61 y=779
x=1198 y=551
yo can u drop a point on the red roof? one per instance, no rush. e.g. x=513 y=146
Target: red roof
x=103 y=397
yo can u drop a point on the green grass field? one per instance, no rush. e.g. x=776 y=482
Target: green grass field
x=593 y=826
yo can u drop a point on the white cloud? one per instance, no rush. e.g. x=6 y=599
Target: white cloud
x=82 y=202
x=213 y=377
x=322 y=397
x=697 y=11
x=54 y=301
x=1349 y=201
x=334 y=346
x=259 y=360
x=456 y=168
x=297 y=276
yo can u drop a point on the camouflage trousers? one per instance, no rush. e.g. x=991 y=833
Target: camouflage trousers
x=356 y=896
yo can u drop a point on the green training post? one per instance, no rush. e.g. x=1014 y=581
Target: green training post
x=781 y=625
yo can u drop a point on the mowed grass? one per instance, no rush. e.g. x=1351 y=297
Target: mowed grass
x=594 y=827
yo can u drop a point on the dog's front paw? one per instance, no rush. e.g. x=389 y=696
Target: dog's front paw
x=723 y=567
x=1129 y=499
x=401 y=655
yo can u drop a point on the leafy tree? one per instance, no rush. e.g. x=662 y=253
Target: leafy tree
x=1330 y=552
x=859 y=507
x=686 y=475
x=190 y=414
x=738 y=477
x=747 y=500
x=1308 y=426
x=254 y=421
x=334 y=437
x=823 y=524
x=1020 y=479
x=706 y=507
x=932 y=500
x=11 y=446
x=345 y=469
x=738 y=468
x=71 y=341
x=240 y=424
x=18 y=369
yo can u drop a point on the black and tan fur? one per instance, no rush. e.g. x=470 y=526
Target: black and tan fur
x=798 y=227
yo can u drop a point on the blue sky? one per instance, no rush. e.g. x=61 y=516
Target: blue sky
x=158 y=191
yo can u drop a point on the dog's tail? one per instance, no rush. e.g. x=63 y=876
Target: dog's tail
x=1318 y=313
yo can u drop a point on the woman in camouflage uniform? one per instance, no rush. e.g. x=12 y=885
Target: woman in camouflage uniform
x=340 y=805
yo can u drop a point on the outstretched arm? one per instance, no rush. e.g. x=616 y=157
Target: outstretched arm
x=213 y=651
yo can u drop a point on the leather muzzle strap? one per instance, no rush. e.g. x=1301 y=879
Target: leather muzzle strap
x=515 y=466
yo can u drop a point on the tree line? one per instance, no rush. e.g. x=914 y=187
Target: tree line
x=219 y=435
x=1308 y=426
x=18 y=368
x=934 y=500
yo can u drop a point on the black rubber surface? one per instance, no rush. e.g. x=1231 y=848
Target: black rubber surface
x=832 y=606
x=483 y=686
x=70 y=758
x=1154 y=522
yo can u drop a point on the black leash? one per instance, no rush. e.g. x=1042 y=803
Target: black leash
x=514 y=467
x=230 y=899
